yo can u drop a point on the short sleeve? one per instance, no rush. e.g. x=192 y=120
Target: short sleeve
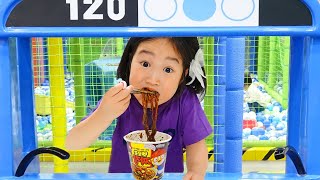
x=194 y=123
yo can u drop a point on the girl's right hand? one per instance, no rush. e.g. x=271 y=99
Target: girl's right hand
x=115 y=101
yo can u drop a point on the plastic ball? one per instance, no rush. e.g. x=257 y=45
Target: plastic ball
x=266 y=123
x=272 y=138
x=276 y=109
x=263 y=137
x=249 y=123
x=246 y=116
x=279 y=126
x=253 y=138
x=260 y=117
x=260 y=124
x=281 y=138
x=270 y=107
x=276 y=103
x=270 y=118
x=284 y=118
x=275 y=119
x=246 y=132
x=256 y=131
x=252 y=115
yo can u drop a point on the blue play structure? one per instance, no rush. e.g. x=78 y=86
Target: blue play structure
x=298 y=19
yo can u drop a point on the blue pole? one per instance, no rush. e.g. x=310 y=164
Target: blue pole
x=311 y=102
x=27 y=99
x=234 y=103
x=295 y=123
x=6 y=129
x=219 y=102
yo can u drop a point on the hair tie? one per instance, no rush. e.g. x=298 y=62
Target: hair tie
x=195 y=70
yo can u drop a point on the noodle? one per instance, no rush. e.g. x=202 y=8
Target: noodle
x=153 y=99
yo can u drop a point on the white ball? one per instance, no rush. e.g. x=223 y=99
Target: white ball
x=260 y=124
x=253 y=138
x=276 y=109
x=252 y=115
x=246 y=116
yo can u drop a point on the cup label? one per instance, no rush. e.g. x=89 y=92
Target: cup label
x=147 y=160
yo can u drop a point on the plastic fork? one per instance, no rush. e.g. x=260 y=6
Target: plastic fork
x=139 y=91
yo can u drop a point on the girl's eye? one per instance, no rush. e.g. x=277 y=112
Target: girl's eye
x=168 y=70
x=145 y=64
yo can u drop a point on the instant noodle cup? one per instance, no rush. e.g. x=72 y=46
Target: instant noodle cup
x=147 y=158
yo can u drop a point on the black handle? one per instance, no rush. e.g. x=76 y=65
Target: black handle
x=294 y=156
x=62 y=154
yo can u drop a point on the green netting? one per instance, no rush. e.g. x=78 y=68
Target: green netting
x=273 y=66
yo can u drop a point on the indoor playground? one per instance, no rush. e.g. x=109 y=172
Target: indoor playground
x=261 y=62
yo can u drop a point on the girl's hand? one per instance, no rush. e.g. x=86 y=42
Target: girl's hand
x=115 y=101
x=193 y=176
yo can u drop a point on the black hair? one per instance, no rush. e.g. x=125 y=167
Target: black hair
x=187 y=47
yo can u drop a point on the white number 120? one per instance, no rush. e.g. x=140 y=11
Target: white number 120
x=95 y=4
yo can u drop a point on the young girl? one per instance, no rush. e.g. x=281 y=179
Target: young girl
x=174 y=68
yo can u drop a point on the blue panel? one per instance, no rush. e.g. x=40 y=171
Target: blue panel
x=311 y=92
x=15 y=99
x=6 y=138
x=26 y=99
x=295 y=124
x=169 y=176
x=156 y=32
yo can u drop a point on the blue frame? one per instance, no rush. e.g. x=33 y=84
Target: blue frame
x=304 y=98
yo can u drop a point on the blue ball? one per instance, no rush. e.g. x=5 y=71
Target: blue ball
x=280 y=107
x=276 y=120
x=45 y=83
x=260 y=118
x=255 y=131
x=262 y=131
x=266 y=123
x=276 y=103
x=271 y=118
x=279 y=127
x=274 y=123
x=263 y=137
x=284 y=118
x=42 y=124
x=270 y=107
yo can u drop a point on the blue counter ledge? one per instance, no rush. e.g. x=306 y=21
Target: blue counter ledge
x=171 y=176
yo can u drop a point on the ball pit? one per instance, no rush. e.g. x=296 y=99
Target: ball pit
x=271 y=122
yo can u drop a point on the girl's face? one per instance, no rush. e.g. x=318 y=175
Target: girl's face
x=156 y=65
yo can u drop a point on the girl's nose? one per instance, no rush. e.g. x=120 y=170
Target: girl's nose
x=153 y=78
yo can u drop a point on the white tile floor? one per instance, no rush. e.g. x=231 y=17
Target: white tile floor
x=102 y=167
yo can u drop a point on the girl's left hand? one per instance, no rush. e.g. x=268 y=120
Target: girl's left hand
x=193 y=176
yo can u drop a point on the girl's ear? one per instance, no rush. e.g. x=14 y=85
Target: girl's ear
x=185 y=75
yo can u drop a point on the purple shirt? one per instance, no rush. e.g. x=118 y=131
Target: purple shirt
x=182 y=117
